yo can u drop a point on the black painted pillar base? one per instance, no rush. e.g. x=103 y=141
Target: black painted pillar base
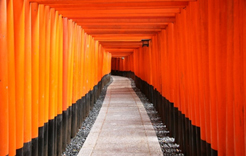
x=208 y=147
x=59 y=134
x=19 y=152
x=27 y=149
x=40 y=141
x=91 y=99
x=83 y=108
x=69 y=124
x=198 y=141
x=175 y=120
x=46 y=139
x=64 y=129
x=214 y=152
x=51 y=141
x=88 y=101
x=203 y=148
x=79 y=113
x=55 y=136
x=74 y=120
x=35 y=147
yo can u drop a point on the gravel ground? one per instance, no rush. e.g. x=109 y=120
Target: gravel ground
x=168 y=145
x=77 y=142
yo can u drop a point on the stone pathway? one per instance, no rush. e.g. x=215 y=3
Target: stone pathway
x=122 y=127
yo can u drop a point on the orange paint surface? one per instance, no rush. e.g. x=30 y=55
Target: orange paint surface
x=12 y=79
x=4 y=120
x=27 y=76
x=35 y=67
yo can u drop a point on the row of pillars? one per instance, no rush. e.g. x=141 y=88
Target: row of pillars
x=198 y=64
x=47 y=63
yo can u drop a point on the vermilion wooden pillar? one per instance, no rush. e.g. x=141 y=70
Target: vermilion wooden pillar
x=89 y=58
x=221 y=53
x=201 y=90
x=19 y=32
x=60 y=85
x=12 y=78
x=35 y=75
x=70 y=75
x=155 y=62
x=204 y=72
x=65 y=83
x=170 y=45
x=52 y=83
x=183 y=65
x=191 y=81
x=79 y=94
x=79 y=102
x=163 y=49
x=212 y=73
x=244 y=65
x=47 y=77
x=4 y=111
x=57 y=105
x=189 y=98
x=54 y=59
x=235 y=54
x=75 y=81
x=42 y=26
x=83 y=62
x=195 y=49
x=87 y=45
x=229 y=80
x=27 y=83
x=177 y=93
x=96 y=62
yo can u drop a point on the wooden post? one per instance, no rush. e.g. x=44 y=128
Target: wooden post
x=27 y=83
x=47 y=78
x=19 y=38
x=42 y=26
x=35 y=75
x=11 y=81
x=235 y=56
x=4 y=111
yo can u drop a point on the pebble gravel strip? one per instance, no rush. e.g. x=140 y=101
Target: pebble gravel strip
x=167 y=143
x=77 y=142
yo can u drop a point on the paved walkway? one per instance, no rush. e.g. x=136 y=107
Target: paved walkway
x=123 y=127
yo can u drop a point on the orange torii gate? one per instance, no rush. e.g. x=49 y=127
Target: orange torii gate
x=55 y=56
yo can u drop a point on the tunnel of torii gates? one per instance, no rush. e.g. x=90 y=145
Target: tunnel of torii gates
x=55 y=57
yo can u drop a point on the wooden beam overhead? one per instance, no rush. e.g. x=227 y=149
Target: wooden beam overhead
x=121 y=31
x=101 y=27
x=78 y=15
x=123 y=11
x=151 y=20
x=121 y=45
x=120 y=54
x=120 y=50
x=123 y=39
x=111 y=24
x=120 y=13
x=119 y=25
x=118 y=5
x=101 y=1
